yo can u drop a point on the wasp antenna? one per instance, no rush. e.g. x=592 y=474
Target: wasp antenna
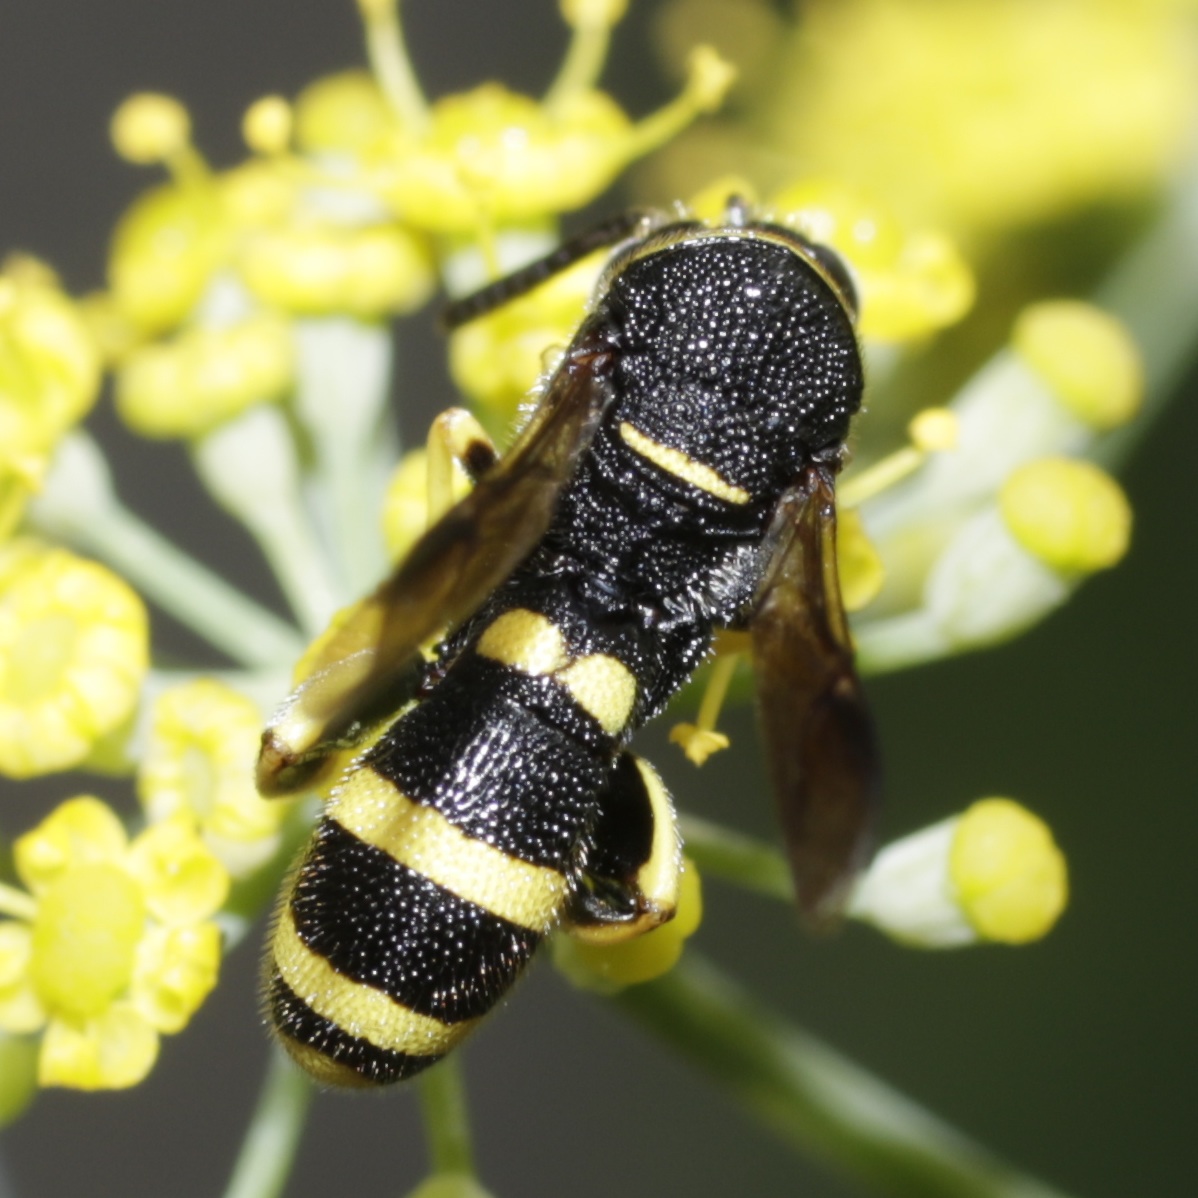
x=495 y=294
x=738 y=212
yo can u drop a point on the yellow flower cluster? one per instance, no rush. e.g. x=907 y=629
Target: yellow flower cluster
x=980 y=115
x=49 y=379
x=270 y=282
x=208 y=272
x=202 y=739
x=111 y=945
x=74 y=647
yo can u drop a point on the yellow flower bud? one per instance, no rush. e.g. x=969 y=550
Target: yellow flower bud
x=340 y=112
x=266 y=125
x=934 y=430
x=73 y=651
x=992 y=873
x=491 y=157
x=709 y=76
x=593 y=12
x=497 y=360
x=1085 y=356
x=198 y=761
x=257 y=193
x=1009 y=875
x=205 y=376
x=1068 y=513
x=49 y=369
x=111 y=946
x=910 y=284
x=315 y=270
x=860 y=565
x=164 y=251
x=149 y=127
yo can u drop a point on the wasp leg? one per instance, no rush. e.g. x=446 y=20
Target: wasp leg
x=455 y=437
x=629 y=882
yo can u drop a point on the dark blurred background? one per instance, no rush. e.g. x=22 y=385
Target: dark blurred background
x=1076 y=1058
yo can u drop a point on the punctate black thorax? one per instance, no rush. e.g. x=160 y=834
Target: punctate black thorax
x=733 y=350
x=737 y=351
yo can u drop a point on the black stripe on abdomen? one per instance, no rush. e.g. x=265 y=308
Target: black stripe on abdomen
x=384 y=925
x=295 y=1020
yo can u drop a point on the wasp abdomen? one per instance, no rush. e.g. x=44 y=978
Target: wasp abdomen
x=443 y=858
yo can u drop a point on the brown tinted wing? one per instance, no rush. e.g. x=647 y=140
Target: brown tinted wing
x=819 y=736
x=369 y=663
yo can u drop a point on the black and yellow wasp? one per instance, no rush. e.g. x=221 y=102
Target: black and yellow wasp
x=675 y=478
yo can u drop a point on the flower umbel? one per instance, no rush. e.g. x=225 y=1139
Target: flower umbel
x=74 y=645
x=197 y=763
x=112 y=946
x=248 y=311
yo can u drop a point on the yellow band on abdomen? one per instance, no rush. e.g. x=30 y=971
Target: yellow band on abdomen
x=357 y=1009
x=421 y=838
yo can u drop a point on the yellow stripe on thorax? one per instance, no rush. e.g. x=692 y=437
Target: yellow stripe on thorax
x=357 y=1009
x=677 y=463
x=421 y=838
x=530 y=642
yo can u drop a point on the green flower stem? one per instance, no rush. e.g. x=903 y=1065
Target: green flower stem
x=345 y=370
x=1154 y=292
x=220 y=613
x=250 y=468
x=815 y=1098
x=7 y=1189
x=79 y=507
x=392 y=65
x=723 y=853
x=268 y=1150
x=446 y=1119
x=582 y=65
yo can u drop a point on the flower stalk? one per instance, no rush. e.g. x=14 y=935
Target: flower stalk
x=447 y=1119
x=79 y=506
x=268 y=1151
x=813 y=1097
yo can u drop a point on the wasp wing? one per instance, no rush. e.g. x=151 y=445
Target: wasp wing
x=369 y=662
x=819 y=736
